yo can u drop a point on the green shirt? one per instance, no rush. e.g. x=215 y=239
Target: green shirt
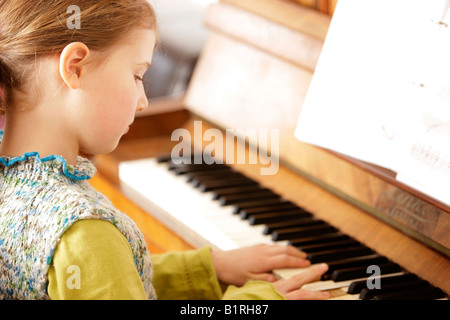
x=94 y=261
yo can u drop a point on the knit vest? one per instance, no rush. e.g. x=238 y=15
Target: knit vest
x=39 y=200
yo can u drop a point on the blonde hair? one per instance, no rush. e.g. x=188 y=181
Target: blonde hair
x=35 y=29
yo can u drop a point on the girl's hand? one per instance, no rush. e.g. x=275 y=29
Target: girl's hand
x=238 y=266
x=291 y=288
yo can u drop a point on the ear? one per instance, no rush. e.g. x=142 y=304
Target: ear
x=71 y=63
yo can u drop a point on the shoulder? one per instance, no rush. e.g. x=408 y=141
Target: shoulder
x=98 y=256
x=64 y=204
x=93 y=235
x=82 y=201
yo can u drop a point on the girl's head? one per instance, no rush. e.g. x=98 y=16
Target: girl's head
x=42 y=57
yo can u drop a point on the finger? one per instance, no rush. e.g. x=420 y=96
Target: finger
x=312 y=274
x=268 y=277
x=284 y=261
x=287 y=250
x=277 y=257
x=307 y=295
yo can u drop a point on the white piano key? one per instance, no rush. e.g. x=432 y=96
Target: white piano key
x=286 y=273
x=347 y=297
x=190 y=206
x=330 y=284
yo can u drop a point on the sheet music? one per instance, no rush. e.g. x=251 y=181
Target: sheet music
x=381 y=90
x=427 y=165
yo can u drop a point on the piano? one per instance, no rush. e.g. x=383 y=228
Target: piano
x=348 y=213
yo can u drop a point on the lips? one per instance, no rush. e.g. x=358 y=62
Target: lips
x=128 y=128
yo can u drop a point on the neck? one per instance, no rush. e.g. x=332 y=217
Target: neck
x=34 y=131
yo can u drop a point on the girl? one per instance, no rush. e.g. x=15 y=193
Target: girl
x=70 y=91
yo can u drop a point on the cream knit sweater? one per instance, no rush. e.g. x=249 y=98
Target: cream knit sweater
x=39 y=200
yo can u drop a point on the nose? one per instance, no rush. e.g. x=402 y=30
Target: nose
x=142 y=101
x=142 y=107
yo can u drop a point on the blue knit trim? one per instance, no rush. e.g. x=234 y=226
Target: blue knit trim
x=8 y=163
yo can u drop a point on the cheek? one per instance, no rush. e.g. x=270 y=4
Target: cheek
x=126 y=93
x=108 y=108
x=110 y=114
x=118 y=103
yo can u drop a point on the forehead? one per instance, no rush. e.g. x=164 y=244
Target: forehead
x=141 y=40
x=138 y=44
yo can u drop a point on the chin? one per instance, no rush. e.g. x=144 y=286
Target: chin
x=104 y=149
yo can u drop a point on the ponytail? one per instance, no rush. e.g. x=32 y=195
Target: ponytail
x=4 y=88
x=6 y=84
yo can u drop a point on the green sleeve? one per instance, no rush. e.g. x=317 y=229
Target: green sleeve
x=187 y=275
x=93 y=261
x=253 y=290
x=104 y=262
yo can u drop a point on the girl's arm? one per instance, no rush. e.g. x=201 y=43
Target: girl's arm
x=190 y=275
x=94 y=261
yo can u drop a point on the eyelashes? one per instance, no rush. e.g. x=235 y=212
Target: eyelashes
x=139 y=78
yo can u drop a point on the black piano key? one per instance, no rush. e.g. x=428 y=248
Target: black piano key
x=324 y=238
x=329 y=246
x=255 y=204
x=361 y=272
x=356 y=286
x=197 y=177
x=399 y=288
x=236 y=198
x=221 y=184
x=338 y=254
x=191 y=164
x=358 y=261
x=269 y=228
x=292 y=233
x=428 y=293
x=273 y=217
x=185 y=168
x=164 y=158
x=236 y=190
x=213 y=175
x=168 y=158
x=281 y=206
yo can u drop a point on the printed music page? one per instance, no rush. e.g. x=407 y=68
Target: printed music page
x=381 y=90
x=427 y=163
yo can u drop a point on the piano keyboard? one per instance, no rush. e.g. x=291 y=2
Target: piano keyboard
x=217 y=206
